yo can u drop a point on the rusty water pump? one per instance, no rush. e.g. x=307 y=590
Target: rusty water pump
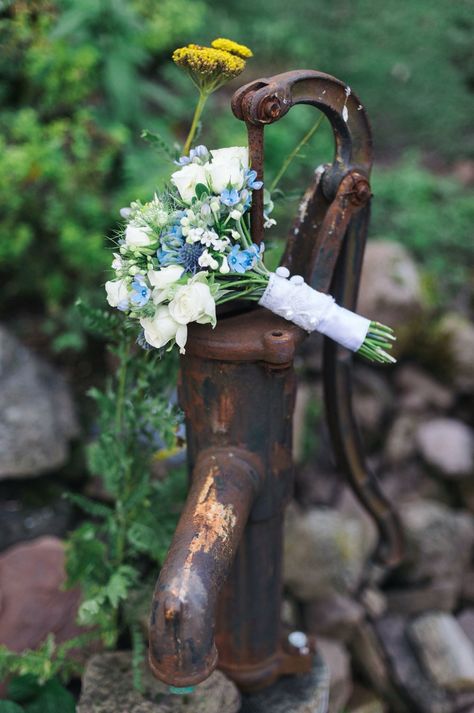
x=217 y=600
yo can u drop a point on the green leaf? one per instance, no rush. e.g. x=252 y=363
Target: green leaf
x=23 y=688
x=10 y=707
x=52 y=698
x=158 y=143
x=91 y=507
x=119 y=584
x=201 y=190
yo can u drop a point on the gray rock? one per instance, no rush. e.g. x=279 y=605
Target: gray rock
x=457 y=335
x=370 y=659
x=334 y=617
x=400 y=443
x=467 y=591
x=373 y=400
x=447 y=445
x=324 y=552
x=336 y=658
x=444 y=650
x=438 y=542
x=418 y=391
x=37 y=418
x=412 y=682
x=466 y=622
x=21 y=521
x=440 y=594
x=390 y=289
x=306 y=693
x=365 y=701
x=107 y=687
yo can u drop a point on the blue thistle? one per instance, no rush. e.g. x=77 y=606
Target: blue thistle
x=189 y=255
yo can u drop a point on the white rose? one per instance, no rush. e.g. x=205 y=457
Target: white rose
x=186 y=180
x=161 y=328
x=222 y=173
x=194 y=302
x=239 y=153
x=137 y=237
x=165 y=276
x=117 y=293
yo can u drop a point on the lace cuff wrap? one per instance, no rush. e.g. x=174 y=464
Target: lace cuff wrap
x=296 y=301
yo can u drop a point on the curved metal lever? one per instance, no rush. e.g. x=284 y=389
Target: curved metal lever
x=326 y=246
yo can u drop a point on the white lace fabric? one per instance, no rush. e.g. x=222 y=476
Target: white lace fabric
x=296 y=301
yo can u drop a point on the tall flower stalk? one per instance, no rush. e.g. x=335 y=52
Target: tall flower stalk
x=209 y=68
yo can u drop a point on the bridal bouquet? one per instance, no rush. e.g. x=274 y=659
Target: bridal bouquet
x=190 y=248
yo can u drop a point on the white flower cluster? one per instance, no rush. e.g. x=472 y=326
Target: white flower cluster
x=177 y=252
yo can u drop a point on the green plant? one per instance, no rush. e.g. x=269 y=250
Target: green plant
x=37 y=683
x=110 y=554
x=430 y=214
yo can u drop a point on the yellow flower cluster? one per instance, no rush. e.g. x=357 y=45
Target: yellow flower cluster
x=233 y=47
x=210 y=67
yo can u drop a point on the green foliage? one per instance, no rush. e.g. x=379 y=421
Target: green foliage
x=38 y=666
x=105 y=555
x=432 y=215
x=28 y=696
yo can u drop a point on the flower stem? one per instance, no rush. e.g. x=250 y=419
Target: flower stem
x=197 y=115
x=294 y=153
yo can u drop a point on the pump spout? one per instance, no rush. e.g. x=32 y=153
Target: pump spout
x=224 y=485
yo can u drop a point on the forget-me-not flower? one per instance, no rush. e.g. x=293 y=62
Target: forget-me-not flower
x=140 y=291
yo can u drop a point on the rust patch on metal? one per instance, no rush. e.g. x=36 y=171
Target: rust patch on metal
x=213 y=520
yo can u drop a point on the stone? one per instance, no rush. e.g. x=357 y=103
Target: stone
x=447 y=445
x=467 y=591
x=466 y=622
x=324 y=552
x=25 y=518
x=37 y=419
x=438 y=542
x=370 y=659
x=372 y=400
x=334 y=617
x=439 y=594
x=457 y=335
x=365 y=701
x=390 y=289
x=336 y=657
x=400 y=442
x=107 y=687
x=32 y=603
x=413 y=684
x=444 y=650
x=418 y=391
x=305 y=693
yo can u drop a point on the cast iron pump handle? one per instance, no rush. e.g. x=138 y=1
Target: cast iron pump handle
x=326 y=246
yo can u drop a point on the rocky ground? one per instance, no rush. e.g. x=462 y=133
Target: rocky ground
x=400 y=640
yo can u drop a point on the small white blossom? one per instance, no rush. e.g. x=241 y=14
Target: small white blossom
x=117 y=263
x=236 y=214
x=206 y=260
x=224 y=268
x=195 y=235
x=269 y=222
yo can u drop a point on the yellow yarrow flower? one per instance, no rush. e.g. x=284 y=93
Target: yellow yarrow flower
x=221 y=43
x=208 y=67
